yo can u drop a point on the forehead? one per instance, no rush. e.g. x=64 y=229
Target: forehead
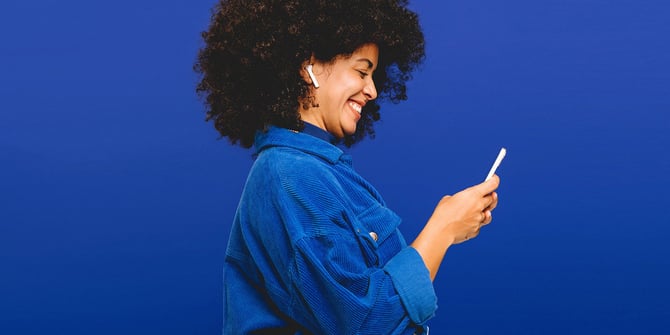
x=367 y=55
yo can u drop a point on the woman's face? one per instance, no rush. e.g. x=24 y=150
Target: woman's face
x=345 y=85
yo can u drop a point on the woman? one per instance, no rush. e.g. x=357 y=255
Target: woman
x=313 y=248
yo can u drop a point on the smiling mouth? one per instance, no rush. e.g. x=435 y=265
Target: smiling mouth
x=355 y=106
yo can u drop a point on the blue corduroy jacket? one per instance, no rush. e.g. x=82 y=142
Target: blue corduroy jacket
x=314 y=249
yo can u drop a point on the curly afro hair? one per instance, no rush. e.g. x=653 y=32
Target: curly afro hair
x=253 y=51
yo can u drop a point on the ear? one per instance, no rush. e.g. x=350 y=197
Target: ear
x=307 y=72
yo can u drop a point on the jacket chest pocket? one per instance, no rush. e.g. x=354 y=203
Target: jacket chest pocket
x=376 y=229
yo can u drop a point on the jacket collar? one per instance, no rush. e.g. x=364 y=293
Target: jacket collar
x=282 y=137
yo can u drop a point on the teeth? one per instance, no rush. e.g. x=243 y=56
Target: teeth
x=355 y=106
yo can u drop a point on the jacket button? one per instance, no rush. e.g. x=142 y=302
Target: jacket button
x=374 y=236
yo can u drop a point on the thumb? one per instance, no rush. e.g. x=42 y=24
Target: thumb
x=489 y=185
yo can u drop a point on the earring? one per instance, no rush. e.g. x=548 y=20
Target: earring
x=308 y=68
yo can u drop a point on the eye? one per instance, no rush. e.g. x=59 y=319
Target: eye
x=363 y=74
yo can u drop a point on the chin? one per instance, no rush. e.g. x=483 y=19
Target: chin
x=349 y=132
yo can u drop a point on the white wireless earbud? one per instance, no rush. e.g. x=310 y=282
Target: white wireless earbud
x=308 y=68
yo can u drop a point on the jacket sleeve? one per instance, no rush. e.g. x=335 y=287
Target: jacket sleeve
x=345 y=297
x=335 y=286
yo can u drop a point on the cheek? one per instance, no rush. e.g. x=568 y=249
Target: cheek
x=347 y=84
x=353 y=85
x=338 y=90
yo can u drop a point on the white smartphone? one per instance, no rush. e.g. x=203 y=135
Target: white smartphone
x=499 y=159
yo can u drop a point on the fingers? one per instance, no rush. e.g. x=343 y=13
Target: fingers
x=487 y=217
x=488 y=202
x=489 y=185
x=494 y=202
x=467 y=211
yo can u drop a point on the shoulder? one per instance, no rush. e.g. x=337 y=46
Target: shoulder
x=296 y=189
x=292 y=167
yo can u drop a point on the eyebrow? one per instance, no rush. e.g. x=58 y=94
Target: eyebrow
x=370 y=65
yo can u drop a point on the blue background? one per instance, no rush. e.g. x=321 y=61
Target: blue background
x=117 y=197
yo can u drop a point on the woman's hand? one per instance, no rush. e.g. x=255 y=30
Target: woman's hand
x=462 y=215
x=456 y=219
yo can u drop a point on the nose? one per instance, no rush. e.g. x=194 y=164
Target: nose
x=369 y=89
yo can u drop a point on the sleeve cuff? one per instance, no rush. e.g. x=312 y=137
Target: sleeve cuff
x=411 y=280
